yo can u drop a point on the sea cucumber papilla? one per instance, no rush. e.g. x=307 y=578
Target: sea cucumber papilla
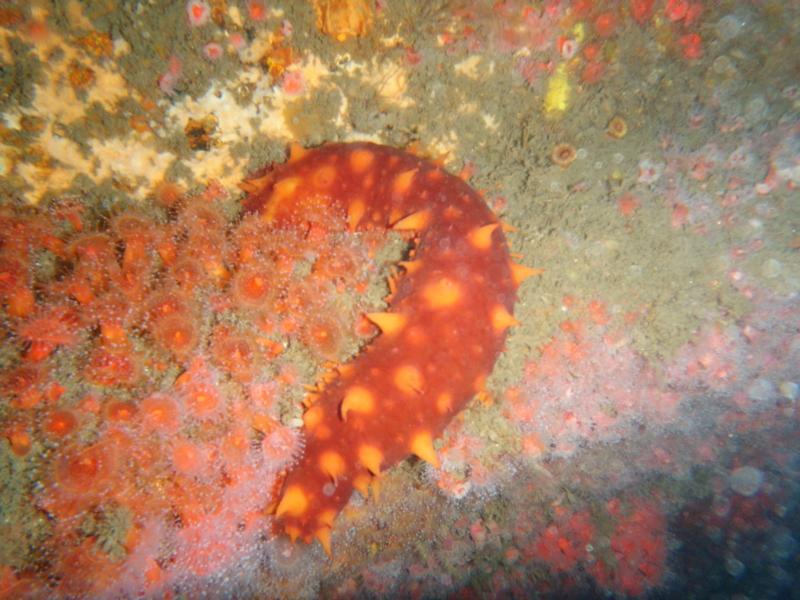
x=445 y=326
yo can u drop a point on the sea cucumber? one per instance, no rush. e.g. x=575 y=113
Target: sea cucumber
x=446 y=323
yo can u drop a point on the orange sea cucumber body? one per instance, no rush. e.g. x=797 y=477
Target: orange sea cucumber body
x=445 y=327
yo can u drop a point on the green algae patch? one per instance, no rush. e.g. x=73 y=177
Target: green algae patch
x=17 y=79
x=23 y=529
x=312 y=121
x=109 y=528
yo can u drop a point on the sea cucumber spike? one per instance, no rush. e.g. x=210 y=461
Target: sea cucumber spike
x=388 y=323
x=520 y=273
x=508 y=227
x=391 y=281
x=413 y=222
x=361 y=484
x=282 y=190
x=345 y=370
x=361 y=160
x=293 y=532
x=422 y=446
x=327 y=377
x=294 y=502
x=253 y=186
x=402 y=182
x=411 y=266
x=481 y=237
x=324 y=177
x=502 y=319
x=296 y=152
x=408 y=379
x=375 y=488
x=371 y=458
x=442 y=293
x=312 y=417
x=355 y=212
x=327 y=517
x=444 y=403
x=357 y=399
x=323 y=535
x=332 y=464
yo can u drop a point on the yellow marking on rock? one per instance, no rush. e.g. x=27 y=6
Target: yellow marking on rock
x=389 y=323
x=355 y=212
x=293 y=503
x=481 y=237
x=443 y=293
x=361 y=160
x=444 y=403
x=422 y=446
x=324 y=177
x=357 y=399
x=408 y=379
x=413 y=222
x=323 y=535
x=402 y=182
x=502 y=319
x=371 y=457
x=332 y=464
x=520 y=273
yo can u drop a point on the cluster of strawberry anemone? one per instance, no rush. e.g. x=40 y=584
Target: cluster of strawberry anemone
x=145 y=357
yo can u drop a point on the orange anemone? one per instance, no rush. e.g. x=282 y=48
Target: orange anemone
x=111 y=367
x=121 y=412
x=159 y=412
x=89 y=470
x=177 y=334
x=166 y=304
x=189 y=458
x=324 y=336
x=234 y=353
x=253 y=287
x=60 y=423
x=203 y=399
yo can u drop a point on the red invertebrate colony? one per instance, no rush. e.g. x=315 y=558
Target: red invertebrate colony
x=445 y=327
